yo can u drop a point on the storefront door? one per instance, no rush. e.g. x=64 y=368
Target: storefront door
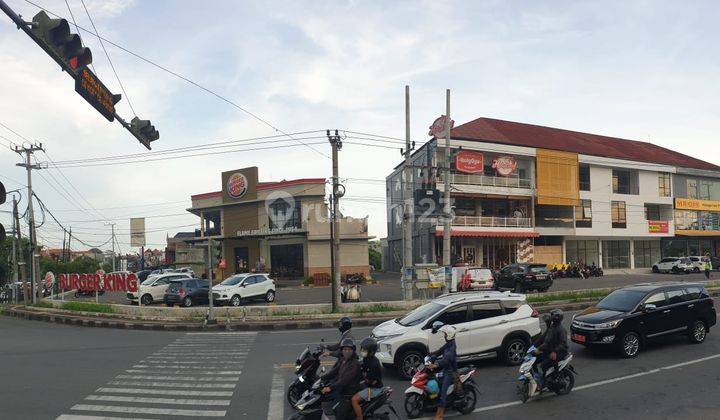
x=242 y=265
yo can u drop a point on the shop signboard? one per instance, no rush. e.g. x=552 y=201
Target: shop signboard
x=694 y=204
x=504 y=165
x=469 y=162
x=658 y=226
x=437 y=129
x=116 y=282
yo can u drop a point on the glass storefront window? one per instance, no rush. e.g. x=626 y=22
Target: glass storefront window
x=582 y=251
x=646 y=253
x=693 y=247
x=616 y=254
x=674 y=248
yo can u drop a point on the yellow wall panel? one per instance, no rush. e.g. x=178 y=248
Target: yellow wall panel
x=557 y=178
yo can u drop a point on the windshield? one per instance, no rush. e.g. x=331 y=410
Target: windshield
x=480 y=273
x=621 y=300
x=538 y=269
x=420 y=314
x=232 y=281
x=175 y=286
x=148 y=281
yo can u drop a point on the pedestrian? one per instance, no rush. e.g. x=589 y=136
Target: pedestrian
x=708 y=267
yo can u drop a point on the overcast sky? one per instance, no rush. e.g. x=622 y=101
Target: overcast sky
x=644 y=70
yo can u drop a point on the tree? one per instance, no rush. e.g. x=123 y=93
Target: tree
x=375 y=258
x=6 y=268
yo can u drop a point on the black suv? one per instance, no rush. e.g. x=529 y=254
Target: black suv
x=627 y=317
x=524 y=277
x=187 y=292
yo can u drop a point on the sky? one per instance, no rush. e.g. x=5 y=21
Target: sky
x=644 y=70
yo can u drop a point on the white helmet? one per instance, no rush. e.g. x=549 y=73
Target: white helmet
x=449 y=332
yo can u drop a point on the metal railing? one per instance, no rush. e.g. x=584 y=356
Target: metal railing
x=488 y=181
x=492 y=221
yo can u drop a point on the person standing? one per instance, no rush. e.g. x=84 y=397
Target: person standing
x=708 y=267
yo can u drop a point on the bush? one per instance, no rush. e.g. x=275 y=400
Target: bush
x=87 y=307
x=307 y=281
x=43 y=304
x=572 y=296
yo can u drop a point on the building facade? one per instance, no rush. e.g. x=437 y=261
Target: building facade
x=280 y=227
x=527 y=193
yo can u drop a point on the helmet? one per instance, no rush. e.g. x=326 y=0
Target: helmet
x=369 y=345
x=436 y=326
x=449 y=331
x=547 y=319
x=556 y=316
x=345 y=324
x=347 y=342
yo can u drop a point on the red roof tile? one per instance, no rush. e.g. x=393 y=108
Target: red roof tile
x=529 y=135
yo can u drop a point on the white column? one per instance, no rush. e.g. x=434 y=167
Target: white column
x=563 y=251
x=600 y=254
x=632 y=254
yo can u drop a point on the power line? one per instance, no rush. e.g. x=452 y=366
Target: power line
x=77 y=30
x=217 y=95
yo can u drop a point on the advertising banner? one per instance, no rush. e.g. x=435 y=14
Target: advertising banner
x=469 y=162
x=137 y=232
x=116 y=282
x=658 y=226
x=693 y=204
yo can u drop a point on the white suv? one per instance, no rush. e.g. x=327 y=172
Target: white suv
x=673 y=265
x=153 y=288
x=489 y=324
x=233 y=290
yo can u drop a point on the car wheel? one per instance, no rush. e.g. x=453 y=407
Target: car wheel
x=513 y=351
x=408 y=363
x=146 y=299
x=675 y=270
x=698 y=332
x=655 y=269
x=543 y=290
x=519 y=287
x=187 y=302
x=235 y=300
x=270 y=296
x=630 y=345
x=696 y=269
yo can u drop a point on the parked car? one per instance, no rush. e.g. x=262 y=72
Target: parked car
x=627 y=318
x=673 y=265
x=472 y=278
x=187 y=292
x=524 y=277
x=142 y=275
x=489 y=324
x=153 y=288
x=715 y=263
x=186 y=270
x=239 y=287
x=698 y=263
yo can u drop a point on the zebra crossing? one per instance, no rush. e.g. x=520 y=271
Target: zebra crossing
x=194 y=376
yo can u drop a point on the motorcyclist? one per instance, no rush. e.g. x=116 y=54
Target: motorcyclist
x=371 y=374
x=345 y=327
x=344 y=377
x=554 y=345
x=448 y=363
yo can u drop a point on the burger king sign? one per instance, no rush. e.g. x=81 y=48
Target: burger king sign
x=237 y=185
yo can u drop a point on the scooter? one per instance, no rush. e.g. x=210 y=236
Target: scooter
x=423 y=394
x=350 y=290
x=560 y=381
x=306 y=368
x=314 y=405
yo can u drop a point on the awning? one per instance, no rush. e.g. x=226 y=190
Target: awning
x=488 y=234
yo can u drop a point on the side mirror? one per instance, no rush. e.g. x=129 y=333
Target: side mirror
x=649 y=307
x=322 y=369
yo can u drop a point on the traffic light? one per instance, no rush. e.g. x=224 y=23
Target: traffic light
x=55 y=34
x=144 y=131
x=218 y=251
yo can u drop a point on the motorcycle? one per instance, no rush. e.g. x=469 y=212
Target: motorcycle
x=314 y=405
x=423 y=394
x=350 y=290
x=306 y=368
x=79 y=293
x=560 y=380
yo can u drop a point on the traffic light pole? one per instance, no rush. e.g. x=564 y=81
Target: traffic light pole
x=28 y=151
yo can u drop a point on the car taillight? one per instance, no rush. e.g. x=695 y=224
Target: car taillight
x=535 y=313
x=182 y=292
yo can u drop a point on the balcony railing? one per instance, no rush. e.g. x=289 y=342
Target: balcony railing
x=489 y=181
x=492 y=221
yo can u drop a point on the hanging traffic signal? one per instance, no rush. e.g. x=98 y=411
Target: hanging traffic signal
x=55 y=34
x=144 y=131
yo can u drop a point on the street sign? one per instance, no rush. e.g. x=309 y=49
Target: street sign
x=95 y=92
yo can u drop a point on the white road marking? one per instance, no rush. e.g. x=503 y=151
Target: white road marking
x=276 y=406
x=182 y=378
x=171 y=384
x=165 y=392
x=180 y=372
x=81 y=417
x=147 y=400
x=213 y=334
x=196 y=367
x=148 y=410
x=236 y=359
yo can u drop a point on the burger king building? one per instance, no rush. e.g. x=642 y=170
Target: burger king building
x=282 y=226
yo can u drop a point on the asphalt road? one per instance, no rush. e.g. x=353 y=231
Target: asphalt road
x=389 y=288
x=52 y=371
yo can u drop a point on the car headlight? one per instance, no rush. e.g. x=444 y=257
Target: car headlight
x=608 y=325
x=386 y=337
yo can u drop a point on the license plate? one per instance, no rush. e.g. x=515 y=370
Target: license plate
x=540 y=277
x=578 y=337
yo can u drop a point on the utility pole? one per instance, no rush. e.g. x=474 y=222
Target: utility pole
x=409 y=185
x=337 y=191
x=447 y=221
x=210 y=280
x=69 y=250
x=112 y=239
x=28 y=151
x=16 y=246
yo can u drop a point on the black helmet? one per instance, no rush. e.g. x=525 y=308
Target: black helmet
x=345 y=324
x=347 y=342
x=369 y=345
x=556 y=316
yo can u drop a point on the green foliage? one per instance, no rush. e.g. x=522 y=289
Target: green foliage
x=107 y=267
x=87 y=307
x=6 y=268
x=572 y=296
x=43 y=304
x=375 y=258
x=80 y=264
x=374 y=308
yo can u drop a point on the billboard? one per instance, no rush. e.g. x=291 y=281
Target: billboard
x=137 y=232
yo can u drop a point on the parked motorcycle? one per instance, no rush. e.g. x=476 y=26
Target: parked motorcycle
x=306 y=368
x=559 y=381
x=350 y=290
x=79 y=293
x=423 y=394
x=314 y=405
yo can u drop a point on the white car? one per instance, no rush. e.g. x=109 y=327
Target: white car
x=153 y=288
x=698 y=263
x=234 y=289
x=673 y=265
x=489 y=324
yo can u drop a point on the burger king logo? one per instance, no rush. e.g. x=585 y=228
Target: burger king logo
x=237 y=185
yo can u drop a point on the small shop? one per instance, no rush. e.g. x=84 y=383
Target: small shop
x=488 y=249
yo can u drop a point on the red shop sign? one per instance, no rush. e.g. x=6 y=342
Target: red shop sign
x=658 y=226
x=116 y=282
x=469 y=162
x=504 y=165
